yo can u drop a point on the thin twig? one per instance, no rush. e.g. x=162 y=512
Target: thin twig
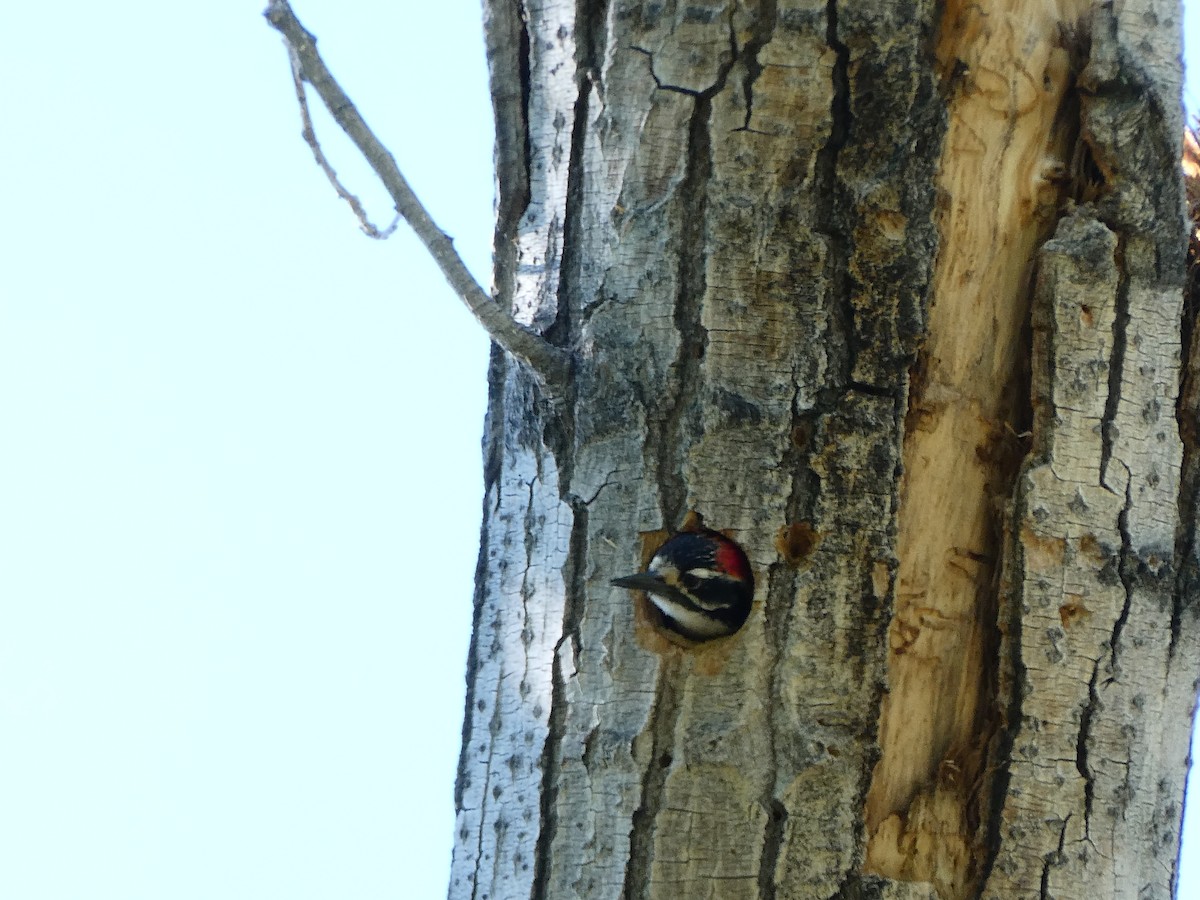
x=551 y=363
x=310 y=137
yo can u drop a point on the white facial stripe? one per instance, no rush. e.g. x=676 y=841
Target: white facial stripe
x=689 y=619
x=664 y=570
x=705 y=573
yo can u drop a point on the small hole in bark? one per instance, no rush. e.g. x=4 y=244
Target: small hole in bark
x=801 y=434
x=795 y=542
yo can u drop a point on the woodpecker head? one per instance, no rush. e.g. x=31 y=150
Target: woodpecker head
x=701 y=584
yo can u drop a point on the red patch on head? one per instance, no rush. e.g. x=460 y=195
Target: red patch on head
x=731 y=560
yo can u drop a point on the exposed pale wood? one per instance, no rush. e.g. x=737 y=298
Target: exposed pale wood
x=1003 y=178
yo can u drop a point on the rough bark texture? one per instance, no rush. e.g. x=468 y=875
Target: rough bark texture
x=891 y=293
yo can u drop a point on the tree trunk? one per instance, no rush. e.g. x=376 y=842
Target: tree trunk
x=891 y=292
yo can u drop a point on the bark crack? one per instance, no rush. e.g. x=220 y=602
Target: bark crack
x=693 y=337
x=872 y=390
x=564 y=331
x=781 y=591
x=559 y=433
x=572 y=307
x=658 y=82
x=764 y=30
x=556 y=725
x=781 y=588
x=1116 y=368
x=1053 y=859
x=860 y=887
x=777 y=816
x=664 y=717
x=508 y=51
x=1187 y=403
x=1125 y=571
x=525 y=80
x=1081 y=750
x=828 y=196
x=1186 y=588
x=718 y=82
x=1011 y=675
x=549 y=792
x=671 y=442
x=531 y=529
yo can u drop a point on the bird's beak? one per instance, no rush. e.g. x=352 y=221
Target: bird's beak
x=654 y=584
x=642 y=581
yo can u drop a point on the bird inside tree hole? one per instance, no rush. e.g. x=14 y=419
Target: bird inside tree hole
x=697 y=584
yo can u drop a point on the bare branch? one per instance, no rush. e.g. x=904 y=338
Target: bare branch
x=310 y=137
x=551 y=363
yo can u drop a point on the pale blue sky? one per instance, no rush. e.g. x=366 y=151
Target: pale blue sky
x=241 y=476
x=241 y=469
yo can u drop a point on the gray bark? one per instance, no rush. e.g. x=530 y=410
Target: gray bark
x=822 y=267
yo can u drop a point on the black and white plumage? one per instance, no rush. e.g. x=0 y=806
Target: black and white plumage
x=700 y=583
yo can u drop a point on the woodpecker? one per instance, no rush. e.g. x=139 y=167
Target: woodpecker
x=700 y=582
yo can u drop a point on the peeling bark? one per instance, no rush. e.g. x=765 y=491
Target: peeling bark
x=822 y=267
